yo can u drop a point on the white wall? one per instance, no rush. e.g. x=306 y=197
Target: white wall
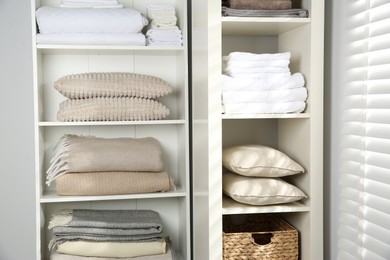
x=17 y=194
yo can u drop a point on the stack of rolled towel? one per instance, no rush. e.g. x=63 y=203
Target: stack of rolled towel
x=261 y=83
x=262 y=8
x=162 y=30
x=111 y=96
x=88 y=165
x=108 y=234
x=90 y=22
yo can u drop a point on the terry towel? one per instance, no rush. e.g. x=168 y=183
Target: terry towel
x=260 y=4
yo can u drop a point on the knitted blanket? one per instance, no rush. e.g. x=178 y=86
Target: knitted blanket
x=111 y=109
x=91 y=154
x=111 y=84
x=260 y=4
x=299 y=13
x=105 y=225
x=112 y=183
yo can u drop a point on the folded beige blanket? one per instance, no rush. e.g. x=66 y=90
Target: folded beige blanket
x=111 y=109
x=112 y=249
x=112 y=183
x=169 y=255
x=260 y=4
x=92 y=154
x=111 y=84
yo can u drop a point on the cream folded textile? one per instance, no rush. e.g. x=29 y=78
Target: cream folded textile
x=260 y=4
x=131 y=39
x=111 y=109
x=247 y=84
x=112 y=249
x=265 y=108
x=269 y=96
x=90 y=154
x=111 y=84
x=89 y=20
x=169 y=255
x=112 y=183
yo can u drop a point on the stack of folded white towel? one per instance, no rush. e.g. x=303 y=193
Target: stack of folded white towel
x=162 y=29
x=103 y=22
x=90 y=4
x=261 y=83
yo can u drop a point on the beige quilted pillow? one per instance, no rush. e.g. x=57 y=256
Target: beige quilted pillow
x=111 y=109
x=111 y=84
x=260 y=161
x=260 y=191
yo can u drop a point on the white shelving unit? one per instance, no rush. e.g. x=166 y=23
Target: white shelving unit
x=298 y=135
x=169 y=63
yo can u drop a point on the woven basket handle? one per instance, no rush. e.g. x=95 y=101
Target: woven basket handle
x=263 y=238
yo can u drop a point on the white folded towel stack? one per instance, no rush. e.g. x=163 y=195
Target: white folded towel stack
x=163 y=29
x=261 y=83
x=90 y=4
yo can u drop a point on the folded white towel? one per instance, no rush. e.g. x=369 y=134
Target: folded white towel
x=164 y=32
x=160 y=7
x=248 y=84
x=232 y=71
x=162 y=24
x=247 y=56
x=92 y=39
x=260 y=75
x=269 y=96
x=254 y=63
x=89 y=20
x=265 y=108
x=90 y=4
x=163 y=42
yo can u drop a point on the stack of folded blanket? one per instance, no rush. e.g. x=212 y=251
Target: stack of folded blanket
x=261 y=83
x=162 y=30
x=90 y=22
x=111 y=96
x=261 y=8
x=108 y=234
x=107 y=166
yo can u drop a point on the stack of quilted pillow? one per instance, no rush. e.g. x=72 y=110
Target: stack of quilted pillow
x=111 y=96
x=254 y=175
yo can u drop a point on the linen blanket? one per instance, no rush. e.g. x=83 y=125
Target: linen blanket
x=297 y=13
x=90 y=154
x=111 y=109
x=113 y=183
x=169 y=255
x=105 y=225
x=260 y=4
x=113 y=249
x=89 y=20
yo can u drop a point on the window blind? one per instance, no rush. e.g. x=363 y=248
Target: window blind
x=364 y=220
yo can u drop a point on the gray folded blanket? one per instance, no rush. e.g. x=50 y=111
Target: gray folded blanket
x=91 y=154
x=105 y=225
x=260 y=4
x=298 y=13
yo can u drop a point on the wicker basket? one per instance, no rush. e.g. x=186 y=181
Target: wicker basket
x=259 y=237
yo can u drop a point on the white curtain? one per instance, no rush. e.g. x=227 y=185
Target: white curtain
x=364 y=218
